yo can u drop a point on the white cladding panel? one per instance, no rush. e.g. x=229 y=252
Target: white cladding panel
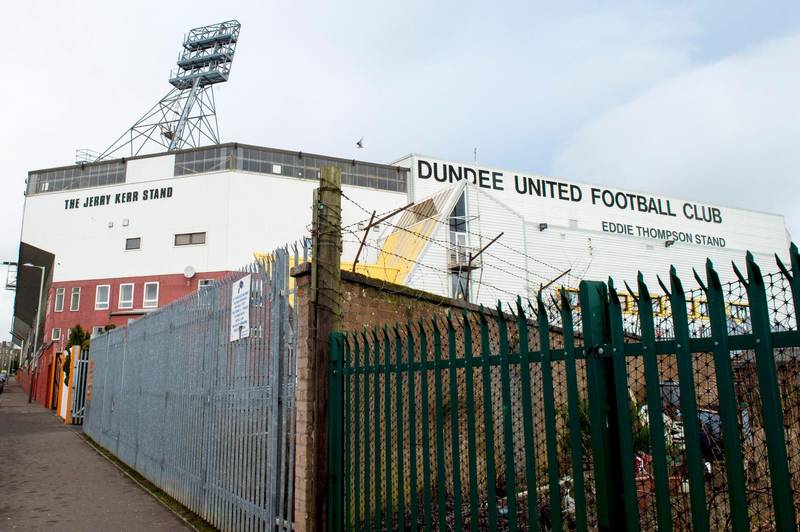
x=150 y=168
x=578 y=238
x=240 y=212
x=583 y=204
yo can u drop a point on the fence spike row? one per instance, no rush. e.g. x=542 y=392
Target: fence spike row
x=500 y=312
x=794 y=256
x=786 y=273
x=700 y=282
x=644 y=292
x=465 y=317
x=520 y=309
x=613 y=297
x=738 y=273
x=631 y=293
x=534 y=313
x=675 y=281
x=663 y=286
x=511 y=310
x=566 y=305
x=713 y=277
x=542 y=310
x=770 y=394
x=482 y=315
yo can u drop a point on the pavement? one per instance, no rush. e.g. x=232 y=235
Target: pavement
x=50 y=479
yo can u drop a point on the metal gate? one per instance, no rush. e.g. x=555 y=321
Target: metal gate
x=78 y=378
x=556 y=416
x=206 y=415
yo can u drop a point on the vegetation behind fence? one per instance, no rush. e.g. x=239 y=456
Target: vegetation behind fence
x=512 y=418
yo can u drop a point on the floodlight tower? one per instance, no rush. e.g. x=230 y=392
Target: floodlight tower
x=187 y=116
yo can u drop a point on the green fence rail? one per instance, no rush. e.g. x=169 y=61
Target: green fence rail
x=500 y=420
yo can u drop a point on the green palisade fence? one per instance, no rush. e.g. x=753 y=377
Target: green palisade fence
x=612 y=410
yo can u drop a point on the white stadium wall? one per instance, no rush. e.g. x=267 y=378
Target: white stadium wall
x=241 y=213
x=583 y=234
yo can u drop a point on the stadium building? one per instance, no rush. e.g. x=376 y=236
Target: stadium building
x=120 y=238
x=111 y=238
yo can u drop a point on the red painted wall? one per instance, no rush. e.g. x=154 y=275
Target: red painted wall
x=171 y=287
x=41 y=378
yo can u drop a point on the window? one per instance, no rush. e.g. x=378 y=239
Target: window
x=75 y=299
x=102 y=297
x=190 y=239
x=204 y=283
x=150 y=295
x=59 y=303
x=740 y=311
x=126 y=295
x=56 y=334
x=96 y=330
x=133 y=243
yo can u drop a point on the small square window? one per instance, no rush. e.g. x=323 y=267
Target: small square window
x=56 y=334
x=97 y=330
x=150 y=295
x=133 y=243
x=102 y=297
x=126 y=296
x=205 y=283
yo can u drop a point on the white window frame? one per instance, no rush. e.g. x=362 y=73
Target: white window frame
x=53 y=335
x=149 y=303
x=120 y=303
x=62 y=292
x=96 y=330
x=98 y=305
x=77 y=306
x=203 y=283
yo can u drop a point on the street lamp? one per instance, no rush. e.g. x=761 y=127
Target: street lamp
x=38 y=317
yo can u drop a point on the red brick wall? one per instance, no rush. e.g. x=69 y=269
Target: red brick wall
x=365 y=303
x=171 y=287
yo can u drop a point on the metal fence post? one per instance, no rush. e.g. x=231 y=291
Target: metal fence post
x=602 y=410
x=335 y=435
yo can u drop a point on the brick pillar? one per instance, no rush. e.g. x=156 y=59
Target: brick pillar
x=303 y=485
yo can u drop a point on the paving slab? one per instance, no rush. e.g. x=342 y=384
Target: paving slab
x=50 y=479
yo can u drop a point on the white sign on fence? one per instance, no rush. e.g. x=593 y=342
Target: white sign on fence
x=240 y=309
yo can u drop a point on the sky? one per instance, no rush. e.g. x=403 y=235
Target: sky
x=692 y=99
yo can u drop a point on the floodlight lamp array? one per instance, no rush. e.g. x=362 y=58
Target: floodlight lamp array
x=207 y=55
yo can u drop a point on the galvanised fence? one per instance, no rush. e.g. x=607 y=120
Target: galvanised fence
x=207 y=420
x=679 y=416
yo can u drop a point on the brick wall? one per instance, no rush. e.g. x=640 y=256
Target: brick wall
x=365 y=303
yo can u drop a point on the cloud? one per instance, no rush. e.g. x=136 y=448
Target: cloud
x=727 y=132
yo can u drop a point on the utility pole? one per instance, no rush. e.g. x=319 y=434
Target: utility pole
x=326 y=281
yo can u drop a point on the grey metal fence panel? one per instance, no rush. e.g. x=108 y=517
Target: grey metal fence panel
x=209 y=421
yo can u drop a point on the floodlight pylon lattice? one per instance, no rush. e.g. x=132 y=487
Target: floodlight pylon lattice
x=187 y=116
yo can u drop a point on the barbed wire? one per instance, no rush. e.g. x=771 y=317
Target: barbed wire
x=473 y=233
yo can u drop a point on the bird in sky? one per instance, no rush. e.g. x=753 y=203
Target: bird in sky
x=360 y=143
